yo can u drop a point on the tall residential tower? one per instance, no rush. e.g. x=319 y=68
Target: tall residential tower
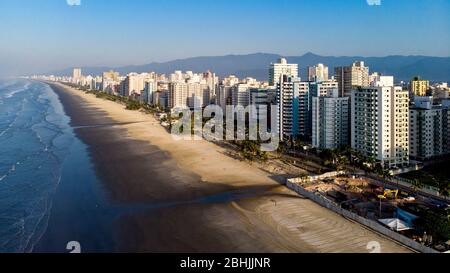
x=318 y=73
x=281 y=68
x=351 y=77
x=380 y=124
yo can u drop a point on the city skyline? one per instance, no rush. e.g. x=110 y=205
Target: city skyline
x=225 y=126
x=85 y=35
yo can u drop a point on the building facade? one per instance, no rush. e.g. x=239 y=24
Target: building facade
x=76 y=75
x=281 y=68
x=330 y=121
x=429 y=127
x=318 y=73
x=351 y=77
x=292 y=97
x=150 y=87
x=110 y=80
x=178 y=95
x=380 y=124
x=419 y=87
x=240 y=95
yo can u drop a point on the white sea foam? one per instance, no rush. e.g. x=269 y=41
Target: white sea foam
x=14 y=92
x=33 y=195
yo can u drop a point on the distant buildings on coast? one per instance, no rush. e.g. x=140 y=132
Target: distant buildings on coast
x=385 y=122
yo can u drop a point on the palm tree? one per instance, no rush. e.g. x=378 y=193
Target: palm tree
x=281 y=148
x=417 y=184
x=444 y=188
x=341 y=162
x=386 y=174
x=327 y=157
x=304 y=177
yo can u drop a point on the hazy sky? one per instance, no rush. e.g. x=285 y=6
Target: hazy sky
x=46 y=35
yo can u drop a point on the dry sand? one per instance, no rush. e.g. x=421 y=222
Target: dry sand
x=200 y=199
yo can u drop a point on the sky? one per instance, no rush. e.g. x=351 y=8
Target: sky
x=38 y=36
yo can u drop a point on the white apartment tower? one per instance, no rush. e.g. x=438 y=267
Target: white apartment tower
x=240 y=95
x=325 y=88
x=109 y=81
x=429 y=127
x=380 y=124
x=76 y=76
x=225 y=91
x=304 y=108
x=134 y=84
x=292 y=97
x=318 y=73
x=351 y=77
x=377 y=80
x=198 y=94
x=150 y=87
x=260 y=97
x=281 y=68
x=178 y=94
x=330 y=121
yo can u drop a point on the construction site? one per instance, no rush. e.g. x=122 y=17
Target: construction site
x=395 y=209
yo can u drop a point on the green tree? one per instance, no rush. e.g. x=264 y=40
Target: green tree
x=417 y=185
x=436 y=223
x=444 y=188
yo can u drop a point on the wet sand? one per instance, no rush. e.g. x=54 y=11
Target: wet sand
x=191 y=196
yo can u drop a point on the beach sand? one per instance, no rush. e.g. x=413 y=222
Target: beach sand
x=194 y=197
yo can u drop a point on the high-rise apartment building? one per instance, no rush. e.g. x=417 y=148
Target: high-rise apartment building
x=419 y=87
x=134 y=84
x=212 y=81
x=178 y=95
x=429 y=128
x=330 y=121
x=304 y=109
x=377 y=80
x=76 y=75
x=150 y=87
x=261 y=97
x=224 y=94
x=281 y=68
x=198 y=94
x=109 y=80
x=318 y=73
x=324 y=88
x=293 y=107
x=380 y=124
x=351 y=77
x=240 y=95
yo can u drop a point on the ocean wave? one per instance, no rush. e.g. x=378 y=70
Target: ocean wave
x=4 y=86
x=14 y=92
x=35 y=137
x=10 y=171
x=18 y=113
x=43 y=223
x=26 y=209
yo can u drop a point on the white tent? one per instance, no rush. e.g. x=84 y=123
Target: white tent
x=395 y=224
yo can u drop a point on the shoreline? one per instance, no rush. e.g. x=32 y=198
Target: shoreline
x=193 y=197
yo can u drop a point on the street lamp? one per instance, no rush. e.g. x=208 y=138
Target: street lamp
x=381 y=197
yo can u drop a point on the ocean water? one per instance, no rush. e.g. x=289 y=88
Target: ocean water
x=46 y=178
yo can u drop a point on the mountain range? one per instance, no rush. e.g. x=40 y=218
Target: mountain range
x=256 y=65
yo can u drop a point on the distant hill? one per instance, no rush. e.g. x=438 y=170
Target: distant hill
x=256 y=65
